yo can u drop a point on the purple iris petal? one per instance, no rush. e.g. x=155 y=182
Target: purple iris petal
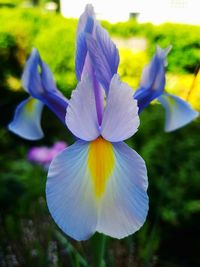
x=99 y=63
x=103 y=52
x=99 y=98
x=88 y=12
x=86 y=25
x=178 y=112
x=81 y=116
x=81 y=52
x=84 y=66
x=57 y=104
x=108 y=48
x=42 y=86
x=144 y=97
x=26 y=121
x=120 y=117
x=153 y=79
x=104 y=56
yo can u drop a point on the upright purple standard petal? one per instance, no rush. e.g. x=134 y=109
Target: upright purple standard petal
x=31 y=80
x=178 y=112
x=88 y=12
x=108 y=48
x=120 y=118
x=42 y=86
x=104 y=56
x=153 y=79
x=86 y=25
x=81 y=50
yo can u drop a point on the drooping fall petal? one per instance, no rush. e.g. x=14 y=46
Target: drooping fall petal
x=26 y=121
x=124 y=205
x=69 y=192
x=98 y=186
x=178 y=112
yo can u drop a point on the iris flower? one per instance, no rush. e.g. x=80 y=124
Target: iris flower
x=99 y=183
x=178 y=111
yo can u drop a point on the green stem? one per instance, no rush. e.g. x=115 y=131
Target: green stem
x=75 y=257
x=98 y=243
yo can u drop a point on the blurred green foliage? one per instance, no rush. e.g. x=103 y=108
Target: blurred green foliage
x=27 y=28
x=28 y=235
x=53 y=36
x=185 y=40
x=131 y=66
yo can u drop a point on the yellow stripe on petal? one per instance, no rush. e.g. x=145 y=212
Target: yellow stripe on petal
x=30 y=106
x=100 y=163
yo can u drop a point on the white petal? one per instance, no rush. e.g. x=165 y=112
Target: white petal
x=81 y=117
x=120 y=118
x=69 y=192
x=124 y=205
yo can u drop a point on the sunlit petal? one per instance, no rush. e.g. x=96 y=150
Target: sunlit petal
x=26 y=122
x=120 y=119
x=178 y=112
